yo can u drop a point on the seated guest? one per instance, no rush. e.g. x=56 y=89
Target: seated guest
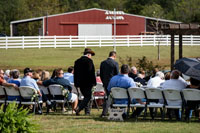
x=191 y=105
x=157 y=80
x=4 y=83
x=7 y=75
x=174 y=83
x=59 y=79
x=29 y=81
x=45 y=75
x=124 y=81
x=15 y=80
x=36 y=76
x=133 y=72
x=139 y=79
x=69 y=75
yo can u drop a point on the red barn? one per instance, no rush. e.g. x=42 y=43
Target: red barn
x=93 y=22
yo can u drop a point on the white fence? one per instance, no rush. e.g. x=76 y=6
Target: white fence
x=93 y=41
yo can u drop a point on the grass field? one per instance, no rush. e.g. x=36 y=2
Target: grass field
x=50 y=58
x=62 y=123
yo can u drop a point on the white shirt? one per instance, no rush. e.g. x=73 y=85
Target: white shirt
x=174 y=84
x=155 y=82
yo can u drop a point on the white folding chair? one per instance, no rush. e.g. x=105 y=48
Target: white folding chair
x=2 y=93
x=173 y=95
x=55 y=91
x=119 y=93
x=44 y=89
x=153 y=95
x=29 y=97
x=191 y=95
x=137 y=93
x=11 y=91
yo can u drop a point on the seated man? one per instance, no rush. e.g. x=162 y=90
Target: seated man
x=59 y=79
x=174 y=83
x=29 y=81
x=124 y=81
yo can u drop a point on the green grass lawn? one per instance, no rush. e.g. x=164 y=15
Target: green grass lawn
x=50 y=58
x=63 y=123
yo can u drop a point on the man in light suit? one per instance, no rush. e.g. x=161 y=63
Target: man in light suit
x=108 y=69
x=84 y=78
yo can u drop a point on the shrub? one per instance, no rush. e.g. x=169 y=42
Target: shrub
x=141 y=64
x=15 y=120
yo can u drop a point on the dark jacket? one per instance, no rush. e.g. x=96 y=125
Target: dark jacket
x=61 y=81
x=108 y=69
x=84 y=72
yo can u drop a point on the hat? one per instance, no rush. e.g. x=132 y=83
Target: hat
x=27 y=70
x=88 y=50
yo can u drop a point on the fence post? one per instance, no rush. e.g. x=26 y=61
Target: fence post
x=22 y=42
x=39 y=42
x=100 y=41
x=191 y=36
x=154 y=40
x=141 y=41
x=6 y=42
x=54 y=41
x=70 y=41
x=128 y=43
x=167 y=40
x=85 y=42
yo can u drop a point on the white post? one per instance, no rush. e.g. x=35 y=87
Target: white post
x=154 y=40
x=54 y=41
x=191 y=40
x=128 y=43
x=6 y=42
x=23 y=42
x=39 y=42
x=141 y=40
x=70 y=41
x=167 y=40
x=99 y=41
x=114 y=29
x=85 y=42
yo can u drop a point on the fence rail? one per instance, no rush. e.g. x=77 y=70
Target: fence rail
x=93 y=41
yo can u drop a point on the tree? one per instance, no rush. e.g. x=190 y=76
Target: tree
x=188 y=11
x=153 y=10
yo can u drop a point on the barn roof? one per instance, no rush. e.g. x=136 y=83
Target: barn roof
x=40 y=18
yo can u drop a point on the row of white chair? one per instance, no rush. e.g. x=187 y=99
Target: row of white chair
x=25 y=92
x=155 y=94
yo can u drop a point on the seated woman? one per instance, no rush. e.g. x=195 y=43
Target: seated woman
x=191 y=105
x=14 y=74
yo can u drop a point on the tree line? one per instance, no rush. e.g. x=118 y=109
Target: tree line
x=187 y=11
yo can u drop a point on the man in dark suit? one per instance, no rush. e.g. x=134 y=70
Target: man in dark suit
x=84 y=78
x=108 y=69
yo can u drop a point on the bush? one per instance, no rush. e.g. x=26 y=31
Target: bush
x=15 y=120
x=141 y=64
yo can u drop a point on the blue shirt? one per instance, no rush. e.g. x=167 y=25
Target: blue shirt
x=122 y=81
x=28 y=81
x=69 y=76
x=12 y=98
